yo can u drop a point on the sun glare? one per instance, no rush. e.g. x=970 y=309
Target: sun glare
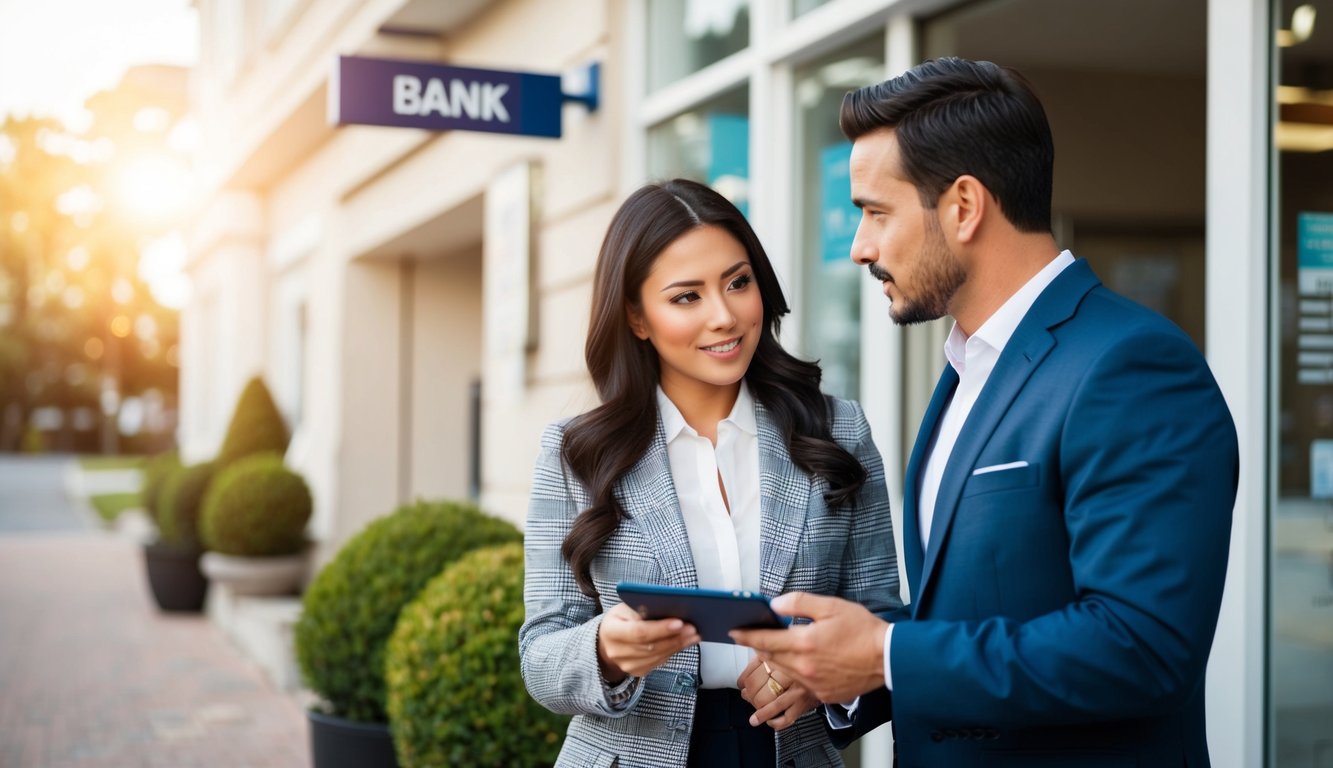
x=162 y=267
x=153 y=186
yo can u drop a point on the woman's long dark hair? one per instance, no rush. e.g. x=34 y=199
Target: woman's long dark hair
x=603 y=444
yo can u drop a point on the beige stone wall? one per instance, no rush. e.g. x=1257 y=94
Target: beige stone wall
x=377 y=234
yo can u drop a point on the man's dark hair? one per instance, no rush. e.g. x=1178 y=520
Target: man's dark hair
x=953 y=117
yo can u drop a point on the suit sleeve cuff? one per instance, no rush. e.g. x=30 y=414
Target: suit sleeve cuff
x=621 y=695
x=840 y=716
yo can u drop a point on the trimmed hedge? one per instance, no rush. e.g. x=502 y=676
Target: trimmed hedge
x=256 y=425
x=256 y=508
x=180 y=502
x=351 y=607
x=455 y=693
x=156 y=472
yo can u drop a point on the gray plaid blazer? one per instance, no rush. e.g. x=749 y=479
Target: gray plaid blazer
x=804 y=546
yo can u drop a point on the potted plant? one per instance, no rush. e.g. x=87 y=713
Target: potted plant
x=256 y=425
x=350 y=609
x=172 y=496
x=253 y=526
x=455 y=695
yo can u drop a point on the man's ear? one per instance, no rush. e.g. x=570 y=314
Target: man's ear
x=636 y=323
x=963 y=206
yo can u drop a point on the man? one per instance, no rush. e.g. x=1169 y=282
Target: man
x=1068 y=501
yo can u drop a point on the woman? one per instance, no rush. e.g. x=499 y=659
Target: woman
x=713 y=461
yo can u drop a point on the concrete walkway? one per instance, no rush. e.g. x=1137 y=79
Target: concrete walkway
x=92 y=674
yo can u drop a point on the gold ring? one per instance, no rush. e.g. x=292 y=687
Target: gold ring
x=776 y=687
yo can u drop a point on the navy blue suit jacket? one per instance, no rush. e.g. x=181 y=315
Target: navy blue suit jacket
x=1063 y=611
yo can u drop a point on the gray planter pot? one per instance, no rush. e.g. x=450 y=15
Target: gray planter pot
x=174 y=577
x=339 y=743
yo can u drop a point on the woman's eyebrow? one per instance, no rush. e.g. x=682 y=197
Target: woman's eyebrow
x=728 y=272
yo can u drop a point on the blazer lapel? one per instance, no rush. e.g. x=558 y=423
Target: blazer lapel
x=913 y=555
x=648 y=495
x=784 y=495
x=1029 y=345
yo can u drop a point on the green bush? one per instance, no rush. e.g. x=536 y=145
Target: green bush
x=110 y=505
x=455 y=694
x=179 y=502
x=351 y=606
x=156 y=472
x=256 y=508
x=256 y=425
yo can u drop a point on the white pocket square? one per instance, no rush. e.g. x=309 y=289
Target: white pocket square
x=999 y=467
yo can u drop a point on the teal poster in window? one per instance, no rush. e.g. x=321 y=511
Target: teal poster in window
x=837 y=216
x=1314 y=253
x=729 y=158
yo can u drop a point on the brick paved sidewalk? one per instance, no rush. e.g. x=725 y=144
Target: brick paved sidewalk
x=92 y=674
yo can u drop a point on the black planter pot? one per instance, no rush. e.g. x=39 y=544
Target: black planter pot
x=174 y=577
x=339 y=743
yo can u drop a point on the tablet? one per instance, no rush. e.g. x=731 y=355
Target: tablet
x=713 y=612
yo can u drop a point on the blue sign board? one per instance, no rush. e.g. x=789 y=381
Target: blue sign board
x=417 y=94
x=838 y=217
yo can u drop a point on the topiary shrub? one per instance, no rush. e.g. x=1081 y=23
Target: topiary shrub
x=156 y=471
x=455 y=695
x=256 y=508
x=256 y=426
x=179 y=503
x=350 y=608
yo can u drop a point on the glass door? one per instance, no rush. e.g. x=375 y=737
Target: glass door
x=1300 y=655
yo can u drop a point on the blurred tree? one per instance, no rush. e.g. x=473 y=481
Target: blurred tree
x=80 y=330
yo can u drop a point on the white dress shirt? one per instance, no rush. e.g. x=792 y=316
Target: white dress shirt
x=725 y=545
x=973 y=358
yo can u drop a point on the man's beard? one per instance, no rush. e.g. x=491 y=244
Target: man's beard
x=938 y=277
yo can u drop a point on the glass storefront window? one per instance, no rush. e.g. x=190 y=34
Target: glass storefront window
x=684 y=36
x=1300 y=646
x=710 y=144
x=826 y=219
x=1128 y=129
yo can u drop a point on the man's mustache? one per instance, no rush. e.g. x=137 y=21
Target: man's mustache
x=878 y=272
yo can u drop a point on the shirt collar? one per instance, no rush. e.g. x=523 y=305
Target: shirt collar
x=999 y=327
x=741 y=416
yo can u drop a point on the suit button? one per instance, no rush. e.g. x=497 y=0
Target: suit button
x=992 y=733
x=936 y=736
x=978 y=733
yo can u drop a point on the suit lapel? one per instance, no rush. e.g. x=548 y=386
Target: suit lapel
x=913 y=555
x=648 y=495
x=1031 y=342
x=1006 y=380
x=784 y=495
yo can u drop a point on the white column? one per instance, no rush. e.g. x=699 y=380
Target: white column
x=1238 y=251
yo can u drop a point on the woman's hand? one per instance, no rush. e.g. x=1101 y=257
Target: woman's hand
x=628 y=644
x=778 y=703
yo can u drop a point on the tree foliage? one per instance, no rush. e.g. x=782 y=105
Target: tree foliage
x=75 y=316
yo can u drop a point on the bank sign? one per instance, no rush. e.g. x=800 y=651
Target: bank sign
x=417 y=94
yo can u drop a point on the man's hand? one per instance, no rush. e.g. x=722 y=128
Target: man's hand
x=778 y=704
x=838 y=656
x=627 y=644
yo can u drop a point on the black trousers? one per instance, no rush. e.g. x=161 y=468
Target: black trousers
x=723 y=737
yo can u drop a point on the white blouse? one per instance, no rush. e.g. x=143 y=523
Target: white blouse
x=725 y=546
